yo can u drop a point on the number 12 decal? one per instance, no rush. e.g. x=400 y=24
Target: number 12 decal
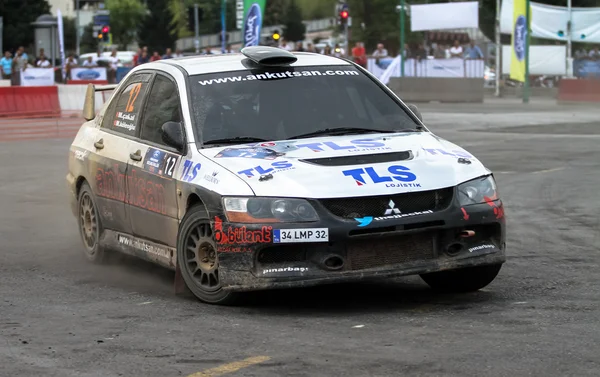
x=133 y=95
x=170 y=163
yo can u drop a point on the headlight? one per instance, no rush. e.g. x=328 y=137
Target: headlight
x=268 y=210
x=477 y=191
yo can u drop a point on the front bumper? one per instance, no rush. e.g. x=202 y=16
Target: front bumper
x=449 y=239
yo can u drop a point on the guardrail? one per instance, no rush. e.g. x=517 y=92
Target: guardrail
x=213 y=40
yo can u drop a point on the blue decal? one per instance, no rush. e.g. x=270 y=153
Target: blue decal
x=190 y=171
x=364 y=221
x=364 y=176
x=153 y=160
x=354 y=145
x=276 y=235
x=520 y=37
x=252 y=26
x=260 y=153
x=88 y=74
x=271 y=168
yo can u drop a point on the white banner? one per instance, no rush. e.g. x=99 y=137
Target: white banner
x=37 y=77
x=61 y=42
x=88 y=74
x=543 y=60
x=444 y=16
x=460 y=68
x=549 y=21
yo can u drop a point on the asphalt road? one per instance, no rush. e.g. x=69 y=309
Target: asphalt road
x=61 y=316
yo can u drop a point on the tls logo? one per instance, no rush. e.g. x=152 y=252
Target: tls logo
x=399 y=173
x=262 y=170
x=190 y=171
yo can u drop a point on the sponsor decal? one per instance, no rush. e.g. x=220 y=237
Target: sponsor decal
x=141 y=192
x=443 y=152
x=190 y=170
x=125 y=125
x=212 y=178
x=255 y=152
x=395 y=177
x=300 y=235
x=144 y=246
x=277 y=146
x=358 y=145
x=391 y=213
x=88 y=74
x=233 y=249
x=241 y=235
x=465 y=214
x=498 y=209
x=160 y=162
x=278 y=76
x=274 y=167
x=519 y=37
x=81 y=155
x=284 y=269
x=252 y=25
x=482 y=247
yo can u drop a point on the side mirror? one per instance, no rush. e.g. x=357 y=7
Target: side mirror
x=415 y=111
x=172 y=135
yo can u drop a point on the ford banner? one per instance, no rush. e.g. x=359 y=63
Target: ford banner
x=88 y=74
x=253 y=17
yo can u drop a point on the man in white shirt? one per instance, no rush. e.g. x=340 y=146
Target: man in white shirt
x=43 y=62
x=89 y=63
x=456 y=51
x=381 y=52
x=112 y=68
x=286 y=46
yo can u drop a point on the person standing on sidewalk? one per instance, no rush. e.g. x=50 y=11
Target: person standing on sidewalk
x=19 y=64
x=6 y=65
x=112 y=68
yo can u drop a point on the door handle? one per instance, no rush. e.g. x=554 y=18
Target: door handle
x=99 y=144
x=137 y=156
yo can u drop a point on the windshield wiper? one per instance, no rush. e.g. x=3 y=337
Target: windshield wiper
x=350 y=130
x=235 y=140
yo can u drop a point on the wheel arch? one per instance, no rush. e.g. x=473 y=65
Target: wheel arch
x=78 y=183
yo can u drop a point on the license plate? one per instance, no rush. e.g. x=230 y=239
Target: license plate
x=301 y=235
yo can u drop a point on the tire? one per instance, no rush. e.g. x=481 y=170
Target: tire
x=90 y=225
x=462 y=280
x=198 y=261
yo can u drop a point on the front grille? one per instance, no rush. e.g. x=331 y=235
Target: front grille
x=369 y=253
x=351 y=208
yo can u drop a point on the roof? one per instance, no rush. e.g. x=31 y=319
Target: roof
x=196 y=65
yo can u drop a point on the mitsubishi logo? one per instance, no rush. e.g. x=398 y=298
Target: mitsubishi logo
x=392 y=209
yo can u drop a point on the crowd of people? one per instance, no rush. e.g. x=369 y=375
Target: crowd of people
x=11 y=65
x=592 y=54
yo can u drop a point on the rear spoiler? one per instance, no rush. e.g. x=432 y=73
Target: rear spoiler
x=89 y=106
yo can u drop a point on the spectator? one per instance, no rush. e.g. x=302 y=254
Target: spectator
x=310 y=48
x=70 y=64
x=299 y=47
x=595 y=53
x=136 y=57
x=380 y=52
x=327 y=50
x=456 y=51
x=439 y=52
x=207 y=51
x=178 y=53
x=168 y=54
x=43 y=62
x=338 y=52
x=359 y=54
x=155 y=56
x=112 y=68
x=144 y=58
x=89 y=63
x=473 y=51
x=23 y=53
x=407 y=51
x=229 y=50
x=19 y=64
x=39 y=57
x=6 y=65
x=581 y=54
x=285 y=45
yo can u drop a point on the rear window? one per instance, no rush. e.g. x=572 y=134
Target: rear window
x=280 y=103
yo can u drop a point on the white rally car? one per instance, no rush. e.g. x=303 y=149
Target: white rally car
x=269 y=169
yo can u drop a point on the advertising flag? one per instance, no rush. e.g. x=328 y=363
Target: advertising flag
x=518 y=40
x=253 y=17
x=61 y=40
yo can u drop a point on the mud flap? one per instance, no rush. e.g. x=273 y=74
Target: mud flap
x=181 y=288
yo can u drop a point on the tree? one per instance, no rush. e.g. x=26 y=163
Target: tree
x=211 y=16
x=293 y=29
x=275 y=11
x=313 y=10
x=125 y=16
x=156 y=30
x=69 y=35
x=89 y=40
x=18 y=16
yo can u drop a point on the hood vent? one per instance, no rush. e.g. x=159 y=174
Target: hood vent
x=360 y=159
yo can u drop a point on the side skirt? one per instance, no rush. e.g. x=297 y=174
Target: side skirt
x=141 y=248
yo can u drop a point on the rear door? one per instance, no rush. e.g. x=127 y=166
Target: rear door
x=111 y=153
x=153 y=204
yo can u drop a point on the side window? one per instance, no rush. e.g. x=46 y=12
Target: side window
x=124 y=111
x=163 y=106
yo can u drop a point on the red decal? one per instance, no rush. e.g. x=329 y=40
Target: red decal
x=242 y=235
x=269 y=144
x=498 y=210
x=465 y=214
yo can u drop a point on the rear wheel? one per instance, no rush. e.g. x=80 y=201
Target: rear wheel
x=90 y=225
x=198 y=261
x=462 y=280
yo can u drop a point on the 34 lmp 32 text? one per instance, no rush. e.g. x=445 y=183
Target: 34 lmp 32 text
x=268 y=169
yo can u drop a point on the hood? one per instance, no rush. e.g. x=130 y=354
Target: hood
x=343 y=166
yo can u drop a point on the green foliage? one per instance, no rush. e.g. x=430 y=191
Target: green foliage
x=18 y=16
x=156 y=30
x=275 y=12
x=125 y=16
x=211 y=16
x=89 y=41
x=316 y=9
x=294 y=29
x=69 y=35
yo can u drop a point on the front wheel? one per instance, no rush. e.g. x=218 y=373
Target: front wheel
x=198 y=261
x=90 y=225
x=462 y=280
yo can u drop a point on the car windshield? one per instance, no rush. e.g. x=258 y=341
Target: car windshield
x=283 y=103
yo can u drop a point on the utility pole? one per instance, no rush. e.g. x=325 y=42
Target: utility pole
x=527 y=39
x=402 y=2
x=569 y=39
x=196 y=28
x=77 y=36
x=224 y=25
x=1 y=33
x=498 y=51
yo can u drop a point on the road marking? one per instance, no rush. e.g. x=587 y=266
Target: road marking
x=231 y=367
x=548 y=170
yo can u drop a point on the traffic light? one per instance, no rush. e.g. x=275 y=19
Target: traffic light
x=276 y=36
x=104 y=33
x=344 y=14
